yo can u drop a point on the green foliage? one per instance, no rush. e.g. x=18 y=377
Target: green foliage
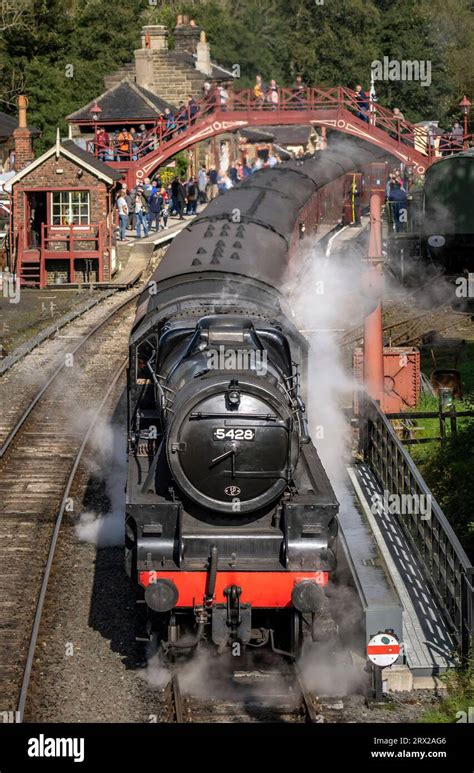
x=330 y=44
x=448 y=473
x=459 y=696
x=181 y=160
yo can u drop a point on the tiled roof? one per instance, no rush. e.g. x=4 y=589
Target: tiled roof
x=124 y=102
x=8 y=124
x=85 y=157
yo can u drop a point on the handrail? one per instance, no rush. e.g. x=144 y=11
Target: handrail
x=444 y=562
x=311 y=99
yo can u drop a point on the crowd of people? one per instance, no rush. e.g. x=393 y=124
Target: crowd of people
x=150 y=204
x=131 y=144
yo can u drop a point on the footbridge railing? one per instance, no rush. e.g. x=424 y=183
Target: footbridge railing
x=445 y=564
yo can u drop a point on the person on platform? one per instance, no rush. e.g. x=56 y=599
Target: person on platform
x=165 y=209
x=123 y=213
x=130 y=199
x=155 y=206
x=399 y=205
x=141 y=213
x=177 y=198
x=202 y=185
x=191 y=196
x=213 y=186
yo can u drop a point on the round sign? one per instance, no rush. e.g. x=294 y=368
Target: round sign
x=383 y=649
x=436 y=241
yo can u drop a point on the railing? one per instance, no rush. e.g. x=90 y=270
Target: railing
x=72 y=240
x=446 y=566
x=285 y=100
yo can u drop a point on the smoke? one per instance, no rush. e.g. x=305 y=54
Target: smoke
x=326 y=301
x=156 y=672
x=108 y=463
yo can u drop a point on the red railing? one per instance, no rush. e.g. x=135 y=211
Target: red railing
x=72 y=242
x=244 y=103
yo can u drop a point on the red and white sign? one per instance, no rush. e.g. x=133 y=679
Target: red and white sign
x=383 y=649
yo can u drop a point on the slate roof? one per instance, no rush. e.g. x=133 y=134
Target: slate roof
x=124 y=102
x=87 y=158
x=217 y=73
x=8 y=124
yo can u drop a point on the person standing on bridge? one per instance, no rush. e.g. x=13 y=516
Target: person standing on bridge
x=272 y=95
x=457 y=136
x=298 y=93
x=170 y=124
x=259 y=91
x=362 y=103
x=223 y=97
x=193 y=109
x=124 y=140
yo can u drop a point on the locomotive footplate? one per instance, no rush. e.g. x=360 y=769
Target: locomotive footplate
x=231 y=620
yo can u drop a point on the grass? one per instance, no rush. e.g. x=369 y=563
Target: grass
x=459 y=697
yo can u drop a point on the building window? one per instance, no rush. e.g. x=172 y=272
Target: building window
x=71 y=208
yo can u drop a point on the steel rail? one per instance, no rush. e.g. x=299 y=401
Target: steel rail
x=11 y=436
x=52 y=549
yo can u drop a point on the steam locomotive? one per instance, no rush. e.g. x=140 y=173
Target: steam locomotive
x=231 y=521
x=448 y=218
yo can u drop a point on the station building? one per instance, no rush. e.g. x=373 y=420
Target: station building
x=63 y=218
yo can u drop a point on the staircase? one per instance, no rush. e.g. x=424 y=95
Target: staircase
x=29 y=269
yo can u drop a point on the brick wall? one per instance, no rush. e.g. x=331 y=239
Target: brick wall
x=47 y=176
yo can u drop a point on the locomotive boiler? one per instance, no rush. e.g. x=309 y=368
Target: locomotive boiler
x=231 y=521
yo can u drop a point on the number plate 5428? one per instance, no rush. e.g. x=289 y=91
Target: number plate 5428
x=233 y=433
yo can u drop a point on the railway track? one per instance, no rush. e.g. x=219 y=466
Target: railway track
x=39 y=459
x=402 y=328
x=256 y=694
x=16 y=407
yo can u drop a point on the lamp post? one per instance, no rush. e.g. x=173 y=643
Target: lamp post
x=95 y=112
x=465 y=106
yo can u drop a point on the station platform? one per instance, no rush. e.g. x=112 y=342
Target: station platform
x=390 y=581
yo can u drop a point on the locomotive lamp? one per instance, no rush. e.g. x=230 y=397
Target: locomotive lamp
x=233 y=394
x=465 y=106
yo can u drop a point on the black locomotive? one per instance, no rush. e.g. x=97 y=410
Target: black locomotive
x=231 y=521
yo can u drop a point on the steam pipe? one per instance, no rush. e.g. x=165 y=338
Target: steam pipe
x=211 y=580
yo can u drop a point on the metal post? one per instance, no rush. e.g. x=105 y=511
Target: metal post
x=373 y=336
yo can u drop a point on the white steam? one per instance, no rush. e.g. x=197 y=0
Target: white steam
x=109 y=462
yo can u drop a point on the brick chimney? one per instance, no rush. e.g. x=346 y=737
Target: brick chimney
x=186 y=34
x=203 y=61
x=155 y=37
x=22 y=137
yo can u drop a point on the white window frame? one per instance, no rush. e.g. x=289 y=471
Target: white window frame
x=68 y=205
